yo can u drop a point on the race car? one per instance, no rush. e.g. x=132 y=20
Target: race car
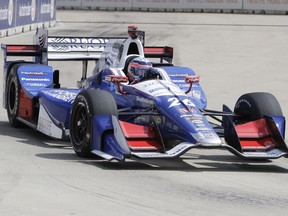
x=162 y=115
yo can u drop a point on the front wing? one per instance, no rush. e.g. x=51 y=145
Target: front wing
x=114 y=139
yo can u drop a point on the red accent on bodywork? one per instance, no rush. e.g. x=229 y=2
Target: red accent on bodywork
x=159 y=52
x=29 y=50
x=136 y=131
x=133 y=31
x=257 y=144
x=255 y=135
x=254 y=129
x=140 y=137
x=117 y=80
x=191 y=80
x=156 y=50
x=143 y=144
x=25 y=107
x=19 y=48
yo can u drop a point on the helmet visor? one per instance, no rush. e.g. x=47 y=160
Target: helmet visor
x=137 y=71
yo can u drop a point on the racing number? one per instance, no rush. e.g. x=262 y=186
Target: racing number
x=176 y=102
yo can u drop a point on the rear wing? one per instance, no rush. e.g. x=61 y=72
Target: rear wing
x=50 y=48
x=56 y=48
x=163 y=53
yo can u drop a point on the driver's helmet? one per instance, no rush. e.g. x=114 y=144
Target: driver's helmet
x=137 y=67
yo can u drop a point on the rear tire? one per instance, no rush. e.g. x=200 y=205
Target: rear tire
x=87 y=104
x=13 y=97
x=253 y=106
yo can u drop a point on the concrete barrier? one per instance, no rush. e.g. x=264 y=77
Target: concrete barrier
x=17 y=16
x=228 y=6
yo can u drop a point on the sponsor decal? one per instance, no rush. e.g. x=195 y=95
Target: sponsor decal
x=33 y=73
x=179 y=75
x=207 y=134
x=171 y=126
x=183 y=110
x=46 y=125
x=182 y=85
x=35 y=84
x=199 y=125
x=148 y=84
x=203 y=129
x=73 y=40
x=144 y=100
x=197 y=121
x=63 y=95
x=175 y=128
x=196 y=94
x=179 y=81
x=156 y=89
x=269 y=144
x=47 y=8
x=28 y=9
x=242 y=101
x=76 y=44
x=115 y=78
x=6 y=13
x=35 y=79
x=192 y=117
x=186 y=116
x=189 y=118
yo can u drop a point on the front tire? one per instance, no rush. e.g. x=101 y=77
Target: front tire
x=253 y=106
x=87 y=104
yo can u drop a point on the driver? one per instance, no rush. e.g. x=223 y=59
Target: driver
x=137 y=67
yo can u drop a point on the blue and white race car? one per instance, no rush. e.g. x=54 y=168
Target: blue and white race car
x=162 y=115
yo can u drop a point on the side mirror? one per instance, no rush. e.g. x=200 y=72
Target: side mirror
x=191 y=80
x=117 y=80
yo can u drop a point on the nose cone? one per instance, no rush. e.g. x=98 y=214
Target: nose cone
x=208 y=139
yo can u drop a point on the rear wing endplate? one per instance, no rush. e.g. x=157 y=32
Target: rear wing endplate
x=22 y=50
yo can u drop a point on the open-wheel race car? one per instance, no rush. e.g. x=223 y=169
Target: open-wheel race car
x=131 y=109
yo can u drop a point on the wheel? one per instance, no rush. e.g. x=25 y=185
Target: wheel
x=253 y=106
x=87 y=104
x=13 y=97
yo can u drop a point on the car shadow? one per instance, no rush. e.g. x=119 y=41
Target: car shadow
x=28 y=136
x=189 y=162
x=199 y=164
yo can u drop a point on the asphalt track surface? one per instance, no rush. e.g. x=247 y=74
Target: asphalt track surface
x=233 y=54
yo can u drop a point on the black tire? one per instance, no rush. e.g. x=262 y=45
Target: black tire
x=13 y=88
x=87 y=104
x=253 y=106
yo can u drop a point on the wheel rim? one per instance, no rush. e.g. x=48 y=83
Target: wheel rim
x=80 y=126
x=12 y=96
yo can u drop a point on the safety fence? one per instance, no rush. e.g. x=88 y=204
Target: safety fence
x=228 y=6
x=18 y=16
